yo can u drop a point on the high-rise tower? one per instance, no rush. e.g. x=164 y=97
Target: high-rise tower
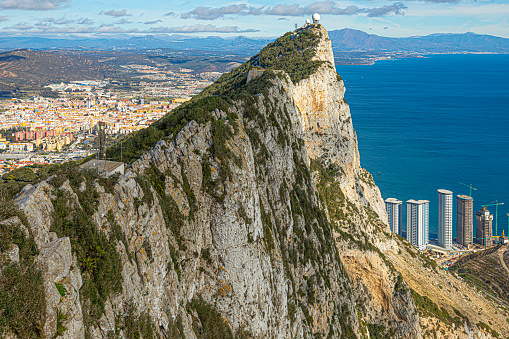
x=394 y=213
x=464 y=220
x=417 y=222
x=445 y=218
x=484 y=233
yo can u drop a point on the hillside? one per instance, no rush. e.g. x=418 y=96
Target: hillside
x=26 y=72
x=350 y=39
x=487 y=271
x=244 y=213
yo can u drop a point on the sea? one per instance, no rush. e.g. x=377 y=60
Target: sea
x=432 y=123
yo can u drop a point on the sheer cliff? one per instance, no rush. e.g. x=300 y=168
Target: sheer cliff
x=243 y=213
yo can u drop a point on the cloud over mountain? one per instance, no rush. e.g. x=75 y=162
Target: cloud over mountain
x=329 y=7
x=46 y=28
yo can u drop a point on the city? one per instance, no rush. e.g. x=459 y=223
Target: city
x=46 y=130
x=445 y=250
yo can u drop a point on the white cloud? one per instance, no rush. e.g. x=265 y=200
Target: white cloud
x=34 y=5
x=152 y=22
x=105 y=29
x=329 y=7
x=20 y=26
x=200 y=29
x=123 y=21
x=85 y=21
x=61 y=21
x=463 y=10
x=117 y=13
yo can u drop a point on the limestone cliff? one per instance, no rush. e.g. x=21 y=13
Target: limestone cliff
x=244 y=213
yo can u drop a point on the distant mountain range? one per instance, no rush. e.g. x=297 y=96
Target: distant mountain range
x=342 y=40
x=351 y=39
x=177 y=42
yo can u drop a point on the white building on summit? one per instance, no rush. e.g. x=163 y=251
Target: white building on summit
x=417 y=222
x=316 y=18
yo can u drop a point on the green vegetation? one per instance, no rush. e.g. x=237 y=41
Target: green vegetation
x=173 y=218
x=400 y=286
x=11 y=183
x=61 y=290
x=99 y=261
x=488 y=329
x=61 y=317
x=210 y=323
x=205 y=254
x=379 y=332
x=22 y=298
x=291 y=53
x=136 y=325
x=428 y=308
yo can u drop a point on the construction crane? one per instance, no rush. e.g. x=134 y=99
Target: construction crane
x=495 y=203
x=469 y=186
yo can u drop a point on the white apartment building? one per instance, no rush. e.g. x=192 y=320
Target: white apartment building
x=417 y=222
x=21 y=147
x=445 y=218
x=394 y=213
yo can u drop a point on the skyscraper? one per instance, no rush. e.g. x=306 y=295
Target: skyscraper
x=417 y=222
x=394 y=214
x=464 y=220
x=445 y=218
x=484 y=233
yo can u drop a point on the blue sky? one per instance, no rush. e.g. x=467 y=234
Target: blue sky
x=63 y=18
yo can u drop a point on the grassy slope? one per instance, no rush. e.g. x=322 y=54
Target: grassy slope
x=447 y=292
x=484 y=271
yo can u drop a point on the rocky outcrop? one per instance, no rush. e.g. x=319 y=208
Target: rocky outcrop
x=250 y=217
x=62 y=282
x=328 y=130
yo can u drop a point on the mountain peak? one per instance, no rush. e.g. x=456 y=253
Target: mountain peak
x=242 y=213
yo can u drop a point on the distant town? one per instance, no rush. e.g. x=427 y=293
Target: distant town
x=49 y=130
x=445 y=250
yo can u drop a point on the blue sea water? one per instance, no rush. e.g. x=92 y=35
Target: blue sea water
x=430 y=123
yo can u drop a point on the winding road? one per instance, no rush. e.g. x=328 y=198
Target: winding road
x=501 y=252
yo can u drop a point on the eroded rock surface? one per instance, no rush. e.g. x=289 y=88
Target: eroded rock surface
x=256 y=218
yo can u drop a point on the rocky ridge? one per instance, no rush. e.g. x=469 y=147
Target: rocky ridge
x=250 y=217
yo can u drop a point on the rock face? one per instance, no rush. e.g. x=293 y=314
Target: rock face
x=328 y=131
x=252 y=220
x=62 y=281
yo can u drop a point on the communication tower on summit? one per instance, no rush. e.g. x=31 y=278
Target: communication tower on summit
x=316 y=18
x=101 y=131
